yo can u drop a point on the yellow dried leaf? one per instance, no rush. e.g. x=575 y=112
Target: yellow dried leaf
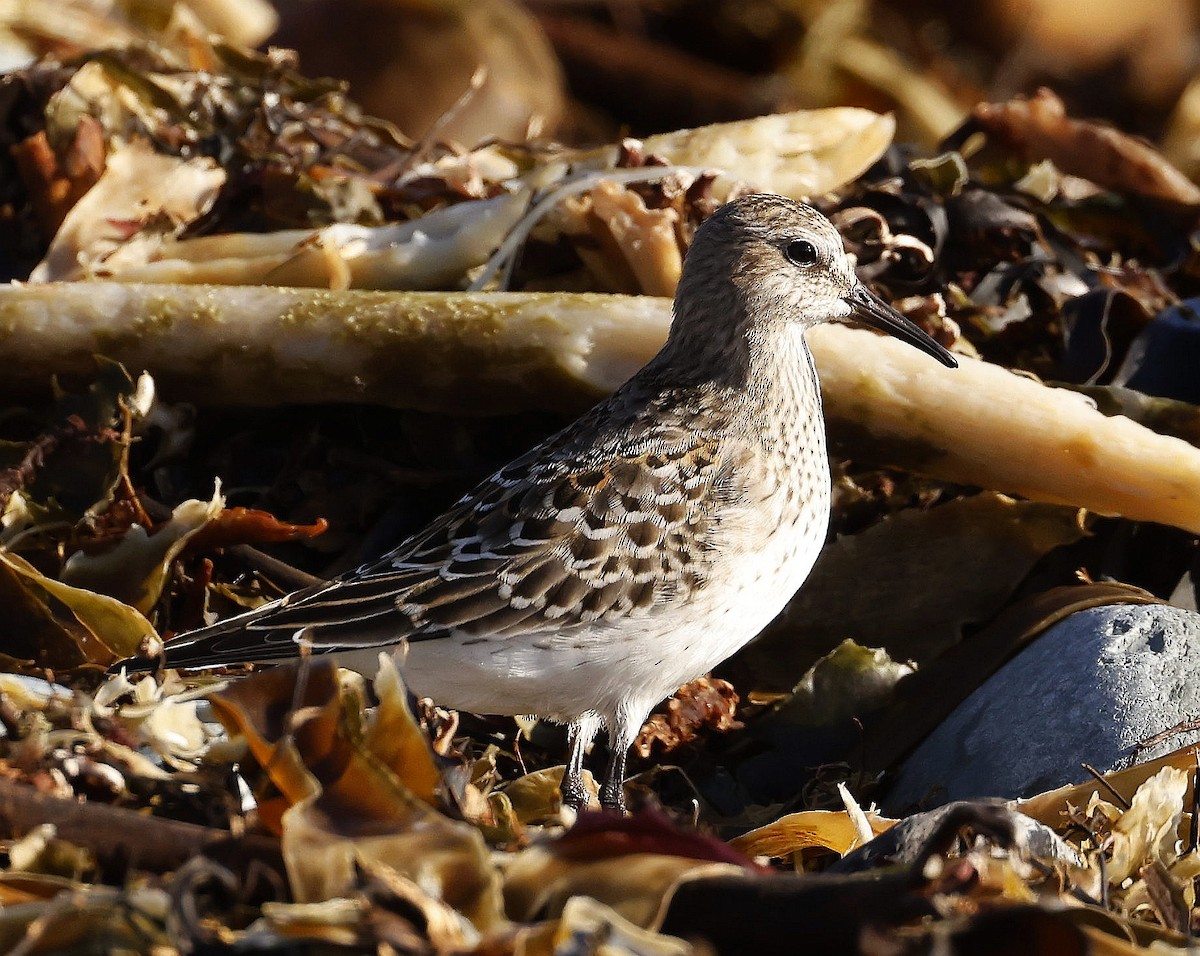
x=796 y=832
x=323 y=847
x=799 y=154
x=394 y=737
x=1147 y=831
x=136 y=568
x=119 y=628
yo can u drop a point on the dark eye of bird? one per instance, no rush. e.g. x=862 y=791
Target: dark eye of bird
x=801 y=252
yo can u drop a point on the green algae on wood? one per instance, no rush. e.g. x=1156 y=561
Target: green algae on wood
x=448 y=352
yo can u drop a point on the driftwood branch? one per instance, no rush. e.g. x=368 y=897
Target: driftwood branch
x=116 y=835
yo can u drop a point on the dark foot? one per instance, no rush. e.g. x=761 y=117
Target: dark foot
x=612 y=797
x=612 y=791
x=579 y=735
x=574 y=793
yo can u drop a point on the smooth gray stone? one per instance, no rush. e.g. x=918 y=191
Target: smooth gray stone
x=1089 y=690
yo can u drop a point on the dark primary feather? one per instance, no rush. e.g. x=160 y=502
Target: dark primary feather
x=570 y=533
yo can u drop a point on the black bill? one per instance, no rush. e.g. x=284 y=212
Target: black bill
x=867 y=308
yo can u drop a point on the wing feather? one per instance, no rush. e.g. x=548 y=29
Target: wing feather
x=574 y=532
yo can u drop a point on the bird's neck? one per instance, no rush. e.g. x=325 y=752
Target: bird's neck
x=781 y=405
x=758 y=365
x=781 y=368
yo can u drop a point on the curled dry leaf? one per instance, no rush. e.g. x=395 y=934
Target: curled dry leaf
x=345 y=781
x=393 y=735
x=1053 y=806
x=1148 y=830
x=141 y=199
x=56 y=184
x=233 y=526
x=630 y=864
x=290 y=727
x=536 y=797
x=1039 y=129
x=304 y=726
x=596 y=928
x=324 y=846
x=135 y=569
x=800 y=154
x=850 y=680
x=809 y=829
x=538 y=884
x=113 y=629
x=646 y=238
x=707 y=702
x=34 y=635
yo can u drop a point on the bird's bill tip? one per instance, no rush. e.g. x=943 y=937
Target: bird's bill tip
x=866 y=307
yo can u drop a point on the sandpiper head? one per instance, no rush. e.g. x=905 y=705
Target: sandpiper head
x=785 y=263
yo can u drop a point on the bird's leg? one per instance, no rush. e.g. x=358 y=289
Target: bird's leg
x=622 y=731
x=612 y=792
x=580 y=733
